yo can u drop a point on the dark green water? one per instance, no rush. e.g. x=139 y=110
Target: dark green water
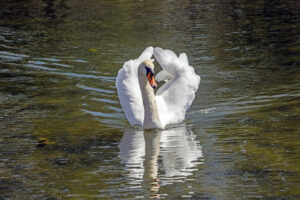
x=58 y=63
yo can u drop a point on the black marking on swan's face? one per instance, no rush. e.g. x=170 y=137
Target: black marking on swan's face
x=149 y=70
x=150 y=77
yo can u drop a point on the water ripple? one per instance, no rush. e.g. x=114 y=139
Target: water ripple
x=37 y=62
x=102 y=114
x=61 y=65
x=105 y=100
x=12 y=56
x=39 y=67
x=95 y=89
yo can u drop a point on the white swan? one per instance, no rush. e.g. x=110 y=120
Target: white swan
x=135 y=83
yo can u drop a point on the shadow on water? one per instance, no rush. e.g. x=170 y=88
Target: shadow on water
x=155 y=158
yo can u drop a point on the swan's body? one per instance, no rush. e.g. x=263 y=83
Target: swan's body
x=168 y=106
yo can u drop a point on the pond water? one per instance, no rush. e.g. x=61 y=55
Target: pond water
x=58 y=64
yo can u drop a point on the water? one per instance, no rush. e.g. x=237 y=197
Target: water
x=58 y=63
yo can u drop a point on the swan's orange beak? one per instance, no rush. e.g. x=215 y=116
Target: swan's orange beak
x=151 y=80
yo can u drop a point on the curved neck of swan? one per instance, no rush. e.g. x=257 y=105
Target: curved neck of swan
x=151 y=117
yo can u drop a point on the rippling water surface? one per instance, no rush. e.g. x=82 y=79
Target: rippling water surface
x=58 y=63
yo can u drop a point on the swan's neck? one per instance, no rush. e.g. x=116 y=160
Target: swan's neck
x=151 y=117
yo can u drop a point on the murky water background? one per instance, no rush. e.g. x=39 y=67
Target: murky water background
x=58 y=63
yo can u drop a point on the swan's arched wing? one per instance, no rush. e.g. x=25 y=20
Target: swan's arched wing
x=129 y=92
x=176 y=96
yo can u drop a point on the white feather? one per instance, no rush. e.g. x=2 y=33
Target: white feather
x=129 y=91
x=176 y=96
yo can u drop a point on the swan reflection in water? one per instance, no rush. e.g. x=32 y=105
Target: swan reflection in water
x=159 y=157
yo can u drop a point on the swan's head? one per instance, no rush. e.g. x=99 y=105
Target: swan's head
x=146 y=69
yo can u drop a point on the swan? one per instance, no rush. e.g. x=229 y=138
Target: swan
x=136 y=82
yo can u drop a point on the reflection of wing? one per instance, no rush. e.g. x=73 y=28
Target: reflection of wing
x=132 y=152
x=129 y=91
x=175 y=97
x=179 y=151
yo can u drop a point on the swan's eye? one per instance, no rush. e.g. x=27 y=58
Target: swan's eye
x=148 y=70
